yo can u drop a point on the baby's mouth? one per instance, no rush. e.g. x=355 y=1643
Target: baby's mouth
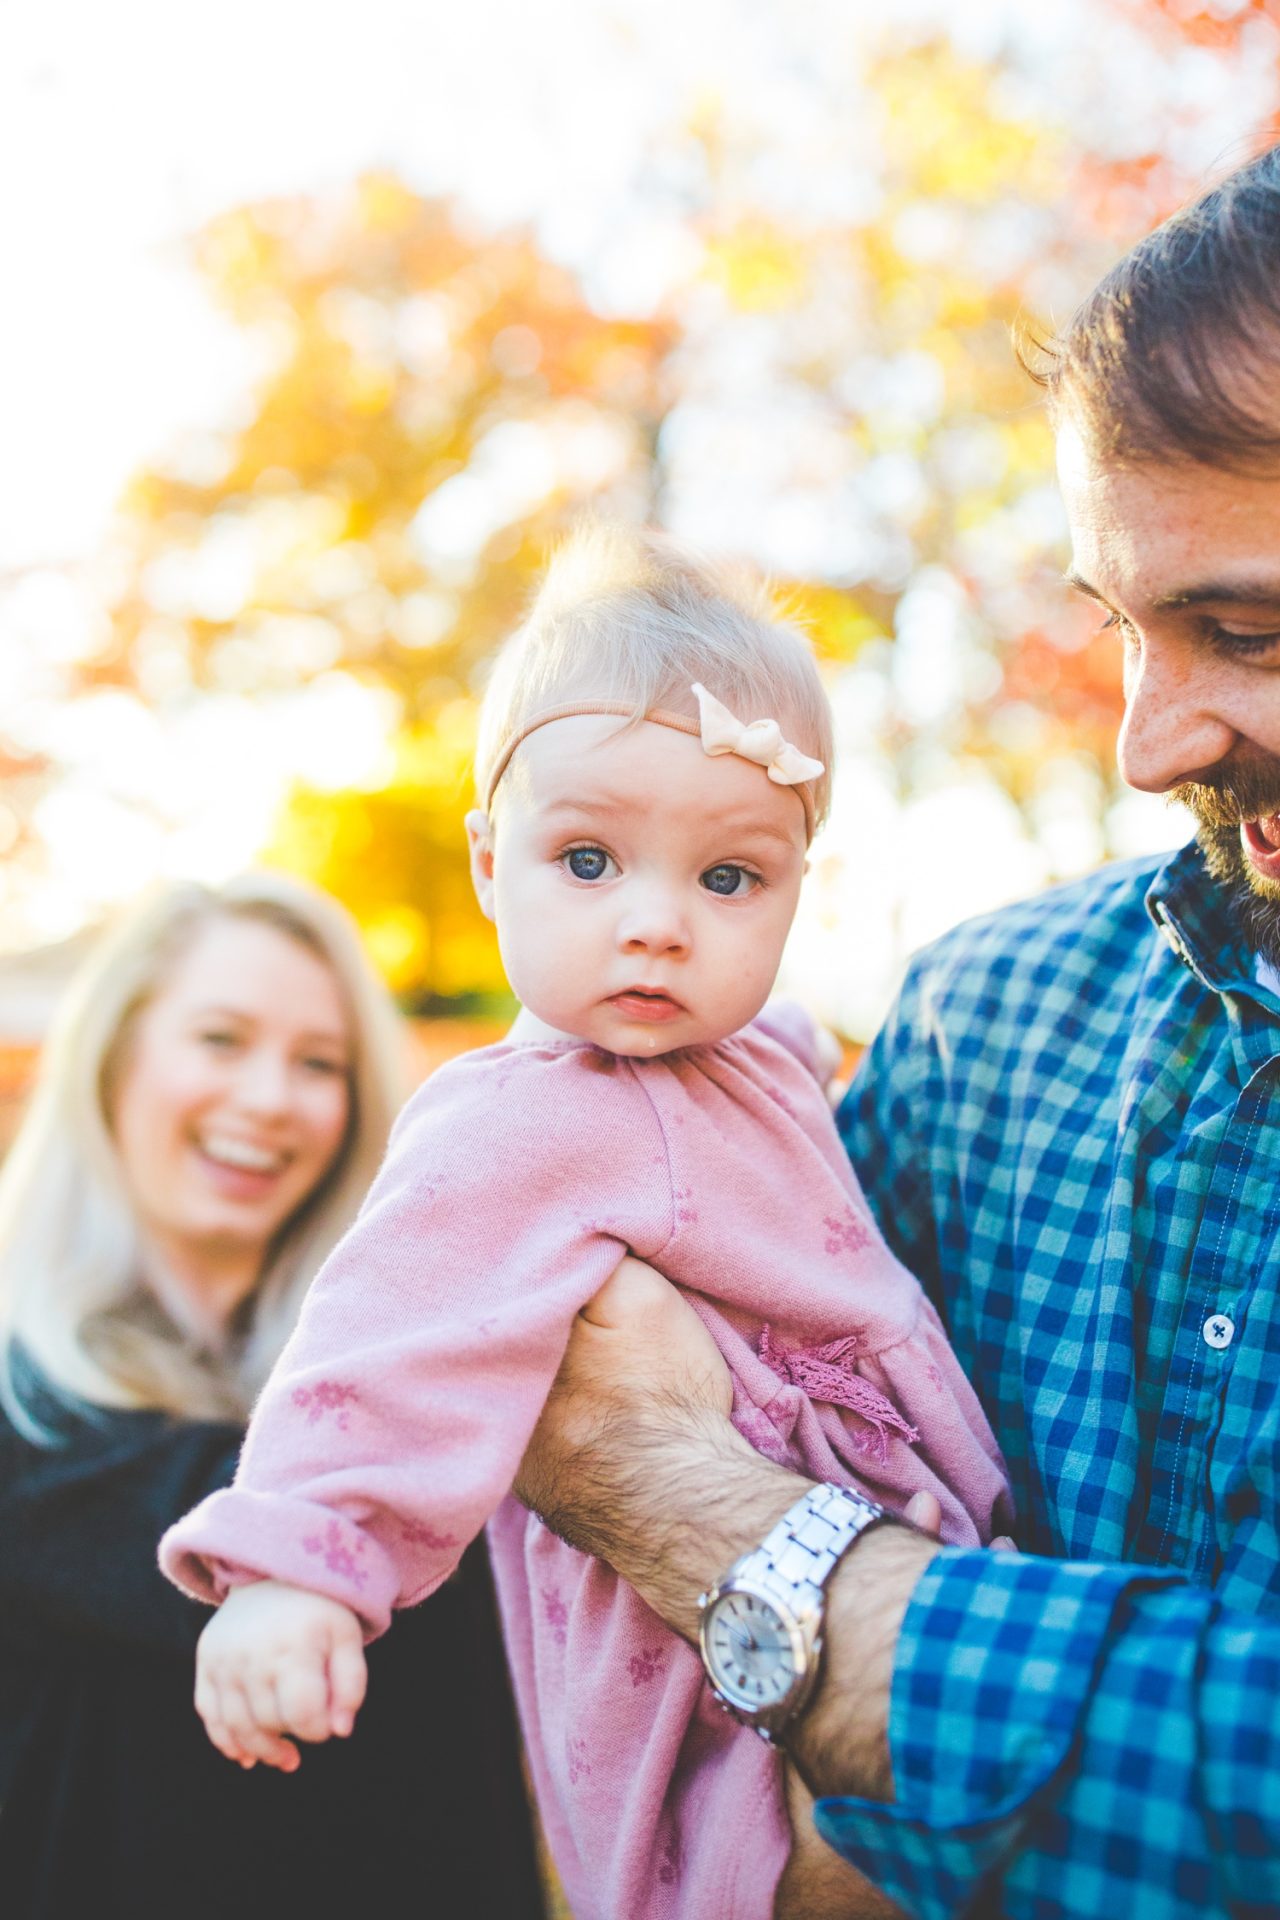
x=646 y=1003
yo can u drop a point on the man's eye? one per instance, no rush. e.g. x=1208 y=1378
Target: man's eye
x=589 y=863
x=1116 y=623
x=218 y=1037
x=729 y=881
x=1228 y=641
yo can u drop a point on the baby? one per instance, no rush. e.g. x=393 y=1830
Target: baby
x=641 y=852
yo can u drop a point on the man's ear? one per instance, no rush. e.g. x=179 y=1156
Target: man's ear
x=480 y=841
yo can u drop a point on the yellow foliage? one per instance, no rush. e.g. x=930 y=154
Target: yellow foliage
x=944 y=128
x=386 y=205
x=760 y=267
x=838 y=625
x=396 y=857
x=399 y=940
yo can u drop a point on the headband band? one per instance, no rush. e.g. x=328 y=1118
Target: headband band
x=717 y=729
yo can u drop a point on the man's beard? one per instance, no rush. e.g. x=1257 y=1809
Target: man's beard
x=1250 y=791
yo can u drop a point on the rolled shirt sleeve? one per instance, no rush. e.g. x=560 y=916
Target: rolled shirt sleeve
x=1075 y=1739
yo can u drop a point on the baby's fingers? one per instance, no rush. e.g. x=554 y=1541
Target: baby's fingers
x=239 y=1725
x=208 y=1703
x=348 y=1678
x=303 y=1691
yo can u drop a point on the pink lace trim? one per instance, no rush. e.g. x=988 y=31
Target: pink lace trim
x=827 y=1373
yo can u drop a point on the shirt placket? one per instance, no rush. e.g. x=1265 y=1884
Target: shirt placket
x=1237 y=1227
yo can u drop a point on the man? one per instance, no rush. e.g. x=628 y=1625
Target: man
x=1069 y=1129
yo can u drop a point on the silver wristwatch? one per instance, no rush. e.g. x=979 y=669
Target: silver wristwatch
x=761 y=1627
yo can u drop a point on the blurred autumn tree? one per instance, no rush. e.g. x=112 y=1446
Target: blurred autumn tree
x=828 y=386
x=878 y=330
x=433 y=407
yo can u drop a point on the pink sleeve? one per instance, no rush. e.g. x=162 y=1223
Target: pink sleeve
x=395 y=1420
x=791 y=1027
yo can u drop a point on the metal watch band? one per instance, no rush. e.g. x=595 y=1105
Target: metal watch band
x=800 y=1551
x=789 y=1569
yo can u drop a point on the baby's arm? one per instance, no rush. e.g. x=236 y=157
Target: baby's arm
x=277 y=1660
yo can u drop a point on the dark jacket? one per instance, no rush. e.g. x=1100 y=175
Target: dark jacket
x=112 y=1801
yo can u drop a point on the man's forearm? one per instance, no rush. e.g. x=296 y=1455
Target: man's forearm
x=671 y=1506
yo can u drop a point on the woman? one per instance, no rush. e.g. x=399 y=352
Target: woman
x=213 y=1103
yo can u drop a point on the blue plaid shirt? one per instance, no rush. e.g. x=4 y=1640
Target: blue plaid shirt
x=1069 y=1129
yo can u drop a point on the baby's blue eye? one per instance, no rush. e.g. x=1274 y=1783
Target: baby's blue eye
x=587 y=863
x=729 y=880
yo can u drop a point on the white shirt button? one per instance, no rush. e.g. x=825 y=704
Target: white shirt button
x=1218 y=1330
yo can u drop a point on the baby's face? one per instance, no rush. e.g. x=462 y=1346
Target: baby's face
x=642 y=890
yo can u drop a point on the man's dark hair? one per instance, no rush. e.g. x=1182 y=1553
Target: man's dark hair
x=1176 y=352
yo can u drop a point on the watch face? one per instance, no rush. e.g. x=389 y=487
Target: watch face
x=750 y=1651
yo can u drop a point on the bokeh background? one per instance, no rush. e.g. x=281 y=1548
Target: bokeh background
x=319 y=324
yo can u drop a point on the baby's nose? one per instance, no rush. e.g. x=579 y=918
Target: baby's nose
x=653 y=923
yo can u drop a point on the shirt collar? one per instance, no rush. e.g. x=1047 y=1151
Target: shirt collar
x=1190 y=908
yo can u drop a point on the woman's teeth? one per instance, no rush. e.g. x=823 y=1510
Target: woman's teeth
x=238 y=1153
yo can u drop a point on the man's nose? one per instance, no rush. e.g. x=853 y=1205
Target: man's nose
x=1174 y=723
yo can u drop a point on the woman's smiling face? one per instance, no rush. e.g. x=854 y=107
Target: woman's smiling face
x=642 y=890
x=232 y=1098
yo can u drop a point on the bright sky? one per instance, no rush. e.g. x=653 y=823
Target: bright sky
x=124 y=125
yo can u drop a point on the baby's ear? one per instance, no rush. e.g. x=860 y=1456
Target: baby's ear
x=480 y=841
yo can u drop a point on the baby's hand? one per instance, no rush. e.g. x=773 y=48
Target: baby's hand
x=274 y=1660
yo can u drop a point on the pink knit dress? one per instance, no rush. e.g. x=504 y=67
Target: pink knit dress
x=394 y=1423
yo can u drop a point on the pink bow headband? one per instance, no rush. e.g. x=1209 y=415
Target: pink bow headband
x=760 y=741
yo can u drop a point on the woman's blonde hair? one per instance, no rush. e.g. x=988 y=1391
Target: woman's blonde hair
x=629 y=615
x=71 y=1297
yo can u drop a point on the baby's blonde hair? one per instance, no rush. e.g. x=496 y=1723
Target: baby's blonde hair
x=630 y=616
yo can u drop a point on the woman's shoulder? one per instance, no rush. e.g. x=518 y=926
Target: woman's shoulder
x=39 y=1415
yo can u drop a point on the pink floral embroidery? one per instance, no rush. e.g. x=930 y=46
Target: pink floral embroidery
x=327 y=1396
x=845 y=1233
x=557 y=1615
x=646 y=1665
x=672 y=1867
x=933 y=1376
x=338 y=1557
x=576 y=1760
x=416 y=1535
x=682 y=1196
x=827 y=1373
x=758 y=1429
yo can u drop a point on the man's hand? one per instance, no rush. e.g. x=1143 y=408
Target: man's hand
x=638 y=1353
x=634 y=1459
x=277 y=1660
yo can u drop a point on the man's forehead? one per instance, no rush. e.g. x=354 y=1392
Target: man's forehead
x=1173 y=533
